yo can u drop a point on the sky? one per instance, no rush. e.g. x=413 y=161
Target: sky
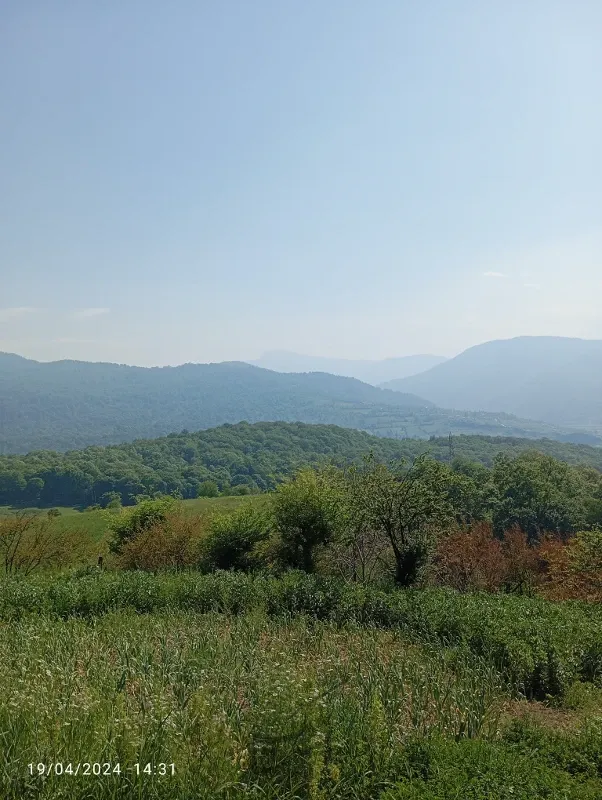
x=203 y=181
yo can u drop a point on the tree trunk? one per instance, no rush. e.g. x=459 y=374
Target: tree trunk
x=308 y=558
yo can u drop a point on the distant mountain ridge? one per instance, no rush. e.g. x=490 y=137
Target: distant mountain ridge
x=65 y=405
x=555 y=379
x=369 y=371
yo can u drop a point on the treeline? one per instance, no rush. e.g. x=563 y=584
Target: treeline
x=528 y=524
x=244 y=458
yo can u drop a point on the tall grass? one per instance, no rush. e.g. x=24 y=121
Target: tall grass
x=242 y=706
x=540 y=647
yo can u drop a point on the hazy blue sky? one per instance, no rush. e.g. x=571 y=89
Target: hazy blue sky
x=200 y=181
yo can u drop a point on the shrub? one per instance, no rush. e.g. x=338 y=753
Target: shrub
x=143 y=516
x=573 y=571
x=522 y=562
x=305 y=511
x=208 y=489
x=477 y=560
x=240 y=489
x=171 y=543
x=111 y=500
x=470 y=560
x=30 y=542
x=233 y=538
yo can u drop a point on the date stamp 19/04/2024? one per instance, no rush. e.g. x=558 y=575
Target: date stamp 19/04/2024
x=99 y=769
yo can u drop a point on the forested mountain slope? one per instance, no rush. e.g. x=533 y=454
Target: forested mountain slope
x=69 y=404
x=554 y=379
x=257 y=456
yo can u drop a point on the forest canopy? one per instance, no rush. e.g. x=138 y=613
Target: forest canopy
x=241 y=458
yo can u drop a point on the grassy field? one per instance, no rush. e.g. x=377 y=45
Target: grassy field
x=293 y=688
x=96 y=523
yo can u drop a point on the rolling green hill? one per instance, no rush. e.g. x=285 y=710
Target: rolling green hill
x=64 y=405
x=256 y=456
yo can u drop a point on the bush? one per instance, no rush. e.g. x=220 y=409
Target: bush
x=573 y=571
x=30 y=542
x=476 y=560
x=469 y=560
x=208 y=489
x=111 y=500
x=146 y=514
x=240 y=489
x=305 y=511
x=234 y=537
x=172 y=543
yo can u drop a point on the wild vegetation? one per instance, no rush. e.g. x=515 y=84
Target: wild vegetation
x=233 y=459
x=294 y=687
x=417 y=629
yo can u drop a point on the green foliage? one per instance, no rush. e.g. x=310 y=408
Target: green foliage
x=140 y=518
x=97 y=404
x=306 y=512
x=539 y=647
x=111 y=500
x=539 y=494
x=407 y=505
x=586 y=553
x=208 y=489
x=472 y=491
x=256 y=457
x=267 y=709
x=441 y=769
x=293 y=687
x=233 y=537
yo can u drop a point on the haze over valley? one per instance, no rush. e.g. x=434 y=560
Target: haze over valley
x=555 y=383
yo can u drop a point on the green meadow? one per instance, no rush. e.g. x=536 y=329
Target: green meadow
x=293 y=687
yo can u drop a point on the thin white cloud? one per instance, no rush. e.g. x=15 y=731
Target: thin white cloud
x=85 y=313
x=495 y=275
x=15 y=313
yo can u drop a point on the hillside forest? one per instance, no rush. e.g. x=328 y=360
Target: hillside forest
x=67 y=405
x=247 y=459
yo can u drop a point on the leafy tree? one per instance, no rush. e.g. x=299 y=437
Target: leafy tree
x=538 y=494
x=110 y=500
x=208 y=489
x=305 y=511
x=259 y=456
x=172 y=543
x=30 y=542
x=240 y=489
x=472 y=492
x=407 y=505
x=233 y=537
